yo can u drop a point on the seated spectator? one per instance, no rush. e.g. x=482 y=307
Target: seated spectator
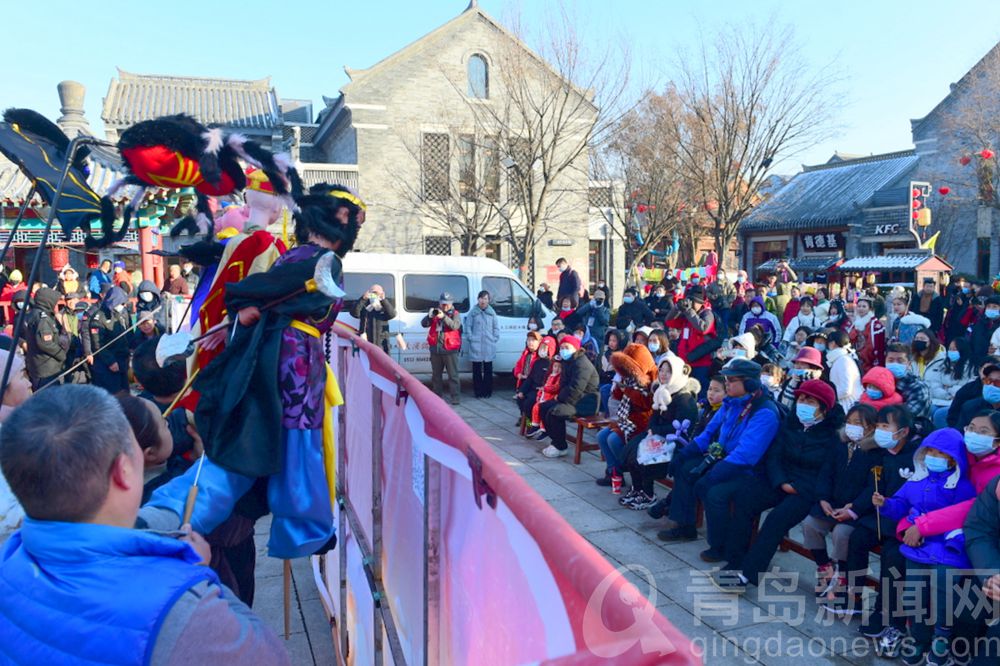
x=807 y=364
x=915 y=392
x=633 y=313
x=946 y=375
x=905 y=324
x=557 y=327
x=758 y=315
x=940 y=480
x=880 y=389
x=528 y=356
x=675 y=400
x=743 y=428
x=804 y=318
x=840 y=485
x=18 y=390
x=634 y=395
x=99 y=571
x=791 y=348
x=527 y=389
x=587 y=343
x=577 y=396
x=566 y=309
x=771 y=378
x=658 y=345
x=894 y=435
x=796 y=465
x=924 y=350
x=970 y=391
x=548 y=391
x=844 y=373
x=989 y=398
x=613 y=341
x=640 y=336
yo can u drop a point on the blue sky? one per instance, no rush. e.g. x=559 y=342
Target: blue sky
x=897 y=57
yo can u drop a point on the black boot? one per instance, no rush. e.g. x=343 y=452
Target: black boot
x=659 y=510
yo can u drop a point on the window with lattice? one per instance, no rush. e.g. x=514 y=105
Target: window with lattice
x=599 y=196
x=519 y=175
x=467 y=167
x=434 y=168
x=491 y=168
x=437 y=245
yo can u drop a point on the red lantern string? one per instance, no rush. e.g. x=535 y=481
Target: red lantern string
x=916 y=215
x=944 y=190
x=964 y=160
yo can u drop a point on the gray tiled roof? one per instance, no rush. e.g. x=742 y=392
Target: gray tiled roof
x=234 y=103
x=889 y=262
x=829 y=194
x=810 y=264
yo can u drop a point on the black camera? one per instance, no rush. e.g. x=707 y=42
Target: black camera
x=702 y=468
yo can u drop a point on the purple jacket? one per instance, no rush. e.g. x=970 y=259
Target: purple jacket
x=767 y=321
x=928 y=491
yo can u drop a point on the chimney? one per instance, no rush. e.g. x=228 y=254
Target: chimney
x=72 y=121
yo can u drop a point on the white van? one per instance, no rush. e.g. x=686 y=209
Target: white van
x=414 y=282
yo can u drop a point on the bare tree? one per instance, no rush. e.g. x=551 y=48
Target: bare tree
x=747 y=101
x=547 y=108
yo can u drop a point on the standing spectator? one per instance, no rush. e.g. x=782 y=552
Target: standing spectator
x=374 y=312
x=958 y=303
x=804 y=317
x=836 y=316
x=633 y=313
x=905 y=324
x=109 y=342
x=69 y=280
x=844 y=373
x=47 y=340
x=877 y=301
x=189 y=274
x=444 y=340
x=659 y=303
x=545 y=296
x=146 y=329
x=792 y=306
x=595 y=315
x=148 y=299
x=699 y=338
x=98 y=570
x=569 y=283
x=482 y=330
x=721 y=295
x=867 y=334
x=577 y=395
x=98 y=278
x=122 y=278
x=176 y=285
x=928 y=303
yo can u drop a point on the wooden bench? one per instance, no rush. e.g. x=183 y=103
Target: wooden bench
x=583 y=424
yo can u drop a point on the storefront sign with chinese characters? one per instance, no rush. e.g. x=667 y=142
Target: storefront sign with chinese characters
x=823 y=241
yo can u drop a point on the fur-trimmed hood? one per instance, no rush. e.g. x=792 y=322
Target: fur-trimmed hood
x=635 y=363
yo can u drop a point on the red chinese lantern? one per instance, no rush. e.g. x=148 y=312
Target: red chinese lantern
x=916 y=215
x=986 y=154
x=943 y=191
x=915 y=192
x=964 y=160
x=916 y=204
x=641 y=208
x=58 y=257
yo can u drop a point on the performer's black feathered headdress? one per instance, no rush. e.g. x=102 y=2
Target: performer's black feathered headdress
x=331 y=212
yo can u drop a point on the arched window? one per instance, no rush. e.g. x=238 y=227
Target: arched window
x=479 y=77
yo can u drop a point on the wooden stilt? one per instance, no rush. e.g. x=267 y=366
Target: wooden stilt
x=288 y=598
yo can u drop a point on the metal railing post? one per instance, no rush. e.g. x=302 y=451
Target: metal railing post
x=342 y=508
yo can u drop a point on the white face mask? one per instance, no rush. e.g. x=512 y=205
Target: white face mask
x=854 y=432
x=120 y=308
x=146 y=296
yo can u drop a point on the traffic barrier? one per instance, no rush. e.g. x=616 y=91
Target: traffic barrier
x=446 y=556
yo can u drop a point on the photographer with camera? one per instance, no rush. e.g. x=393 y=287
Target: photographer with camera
x=724 y=459
x=373 y=312
x=444 y=340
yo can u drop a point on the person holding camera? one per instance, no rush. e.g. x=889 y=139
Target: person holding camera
x=723 y=461
x=444 y=340
x=373 y=312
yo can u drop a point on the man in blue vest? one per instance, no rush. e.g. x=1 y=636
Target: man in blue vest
x=79 y=585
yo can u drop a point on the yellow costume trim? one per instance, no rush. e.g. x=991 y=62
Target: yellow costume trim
x=340 y=194
x=333 y=398
x=305 y=328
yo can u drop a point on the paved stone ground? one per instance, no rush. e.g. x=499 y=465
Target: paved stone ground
x=777 y=624
x=310 y=642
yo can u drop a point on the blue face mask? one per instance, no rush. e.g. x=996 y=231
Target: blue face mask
x=566 y=354
x=965 y=290
x=885 y=439
x=897 y=369
x=805 y=413
x=628 y=299
x=819 y=346
x=738 y=353
x=991 y=394
x=978 y=444
x=954 y=356
x=654 y=347
x=936 y=463
x=992 y=314
x=874 y=393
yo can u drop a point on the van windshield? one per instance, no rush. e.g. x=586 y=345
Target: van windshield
x=509 y=298
x=422 y=292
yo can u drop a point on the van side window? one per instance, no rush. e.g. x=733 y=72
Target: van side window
x=357 y=284
x=509 y=299
x=421 y=292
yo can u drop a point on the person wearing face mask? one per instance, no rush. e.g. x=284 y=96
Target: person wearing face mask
x=633 y=313
x=796 y=464
x=760 y=316
x=838 y=491
x=894 y=437
x=946 y=376
x=658 y=345
x=659 y=301
x=928 y=303
x=111 y=349
x=699 y=334
x=772 y=377
x=940 y=479
x=807 y=364
x=916 y=394
x=482 y=332
x=985 y=331
x=925 y=350
x=578 y=395
x=526 y=392
x=614 y=341
x=905 y=323
x=880 y=389
x=958 y=302
x=570 y=285
x=867 y=334
x=989 y=397
x=805 y=317
x=595 y=314
x=148 y=299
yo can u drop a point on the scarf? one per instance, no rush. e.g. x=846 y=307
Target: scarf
x=861 y=323
x=625 y=409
